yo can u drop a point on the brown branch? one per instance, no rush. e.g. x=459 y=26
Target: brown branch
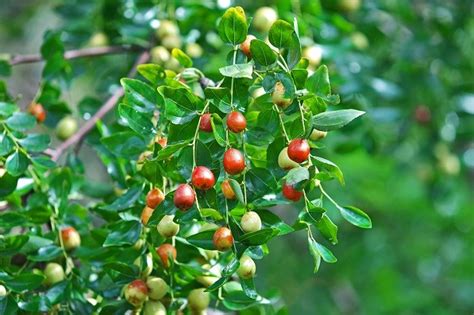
x=77 y=53
x=106 y=107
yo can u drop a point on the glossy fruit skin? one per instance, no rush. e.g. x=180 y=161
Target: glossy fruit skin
x=234 y=161
x=154 y=198
x=54 y=273
x=290 y=193
x=245 y=46
x=160 y=55
x=3 y=291
x=146 y=214
x=202 y=178
x=264 y=18
x=298 y=150
x=154 y=308
x=317 y=134
x=136 y=292
x=71 y=238
x=184 y=197
x=278 y=96
x=38 y=111
x=157 y=288
x=227 y=190
x=223 y=239
x=98 y=39
x=163 y=141
x=314 y=54
x=198 y=299
x=205 y=123
x=284 y=160
x=247 y=267
x=194 y=50
x=236 y=122
x=165 y=251
x=167 y=228
x=167 y=28
x=251 y=222
x=66 y=128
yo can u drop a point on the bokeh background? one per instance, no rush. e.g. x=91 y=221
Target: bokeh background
x=409 y=163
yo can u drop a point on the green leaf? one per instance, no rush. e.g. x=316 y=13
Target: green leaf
x=5 y=68
x=22 y=282
x=243 y=70
x=258 y=237
x=152 y=72
x=238 y=300
x=35 y=304
x=274 y=221
x=262 y=53
x=237 y=190
x=35 y=142
x=7 y=109
x=332 y=168
x=123 y=233
x=325 y=253
x=181 y=105
x=139 y=122
x=318 y=82
x=202 y=240
x=313 y=249
x=6 y=144
x=126 y=201
x=7 y=184
x=58 y=292
x=281 y=34
x=170 y=149
x=17 y=163
x=125 y=144
x=232 y=27
x=46 y=253
x=140 y=95
x=327 y=229
x=12 y=244
x=212 y=213
x=21 y=121
x=182 y=58
x=335 y=119
x=356 y=217
x=296 y=176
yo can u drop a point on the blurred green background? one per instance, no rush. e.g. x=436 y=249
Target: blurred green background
x=409 y=164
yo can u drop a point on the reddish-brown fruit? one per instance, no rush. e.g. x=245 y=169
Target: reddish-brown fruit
x=203 y=178
x=291 y=193
x=184 y=197
x=136 y=292
x=278 y=96
x=298 y=150
x=154 y=198
x=227 y=190
x=165 y=252
x=163 y=141
x=234 y=161
x=146 y=214
x=245 y=46
x=422 y=114
x=223 y=239
x=236 y=122
x=70 y=237
x=205 y=123
x=38 y=111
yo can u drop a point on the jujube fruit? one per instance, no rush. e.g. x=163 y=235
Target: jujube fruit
x=245 y=46
x=291 y=193
x=54 y=273
x=157 y=287
x=3 y=291
x=234 y=161
x=298 y=150
x=278 y=96
x=317 y=134
x=154 y=308
x=146 y=214
x=203 y=178
x=154 y=198
x=167 y=227
x=38 y=111
x=227 y=190
x=314 y=54
x=184 y=197
x=205 y=123
x=247 y=267
x=236 y=122
x=166 y=252
x=136 y=292
x=223 y=239
x=284 y=160
x=264 y=18
x=66 y=128
x=71 y=238
x=251 y=222
x=198 y=299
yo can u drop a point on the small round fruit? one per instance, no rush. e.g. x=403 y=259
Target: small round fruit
x=198 y=299
x=71 y=238
x=245 y=46
x=227 y=190
x=194 y=50
x=171 y=41
x=162 y=141
x=359 y=40
x=317 y=134
x=167 y=28
x=167 y=228
x=157 y=288
x=154 y=198
x=234 y=161
x=3 y=291
x=247 y=267
x=284 y=160
x=136 y=292
x=236 y=122
x=138 y=244
x=144 y=264
x=146 y=214
x=54 y=273
x=66 y=127
x=264 y=18
x=223 y=239
x=348 y=5
x=98 y=39
x=250 y=222
x=291 y=193
x=278 y=96
x=298 y=150
x=203 y=178
x=184 y=197
x=314 y=54
x=166 y=251
x=205 y=123
x=154 y=308
x=38 y=111
x=160 y=55
x=422 y=114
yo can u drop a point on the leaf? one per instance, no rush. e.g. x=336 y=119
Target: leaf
x=238 y=300
x=325 y=253
x=7 y=109
x=332 y=168
x=7 y=184
x=125 y=201
x=296 y=176
x=6 y=144
x=123 y=233
x=152 y=72
x=262 y=53
x=209 y=212
x=125 y=144
x=318 y=83
x=22 y=282
x=274 y=221
x=17 y=163
x=258 y=237
x=46 y=253
x=243 y=70
x=170 y=149
x=356 y=216
x=335 y=119
x=232 y=27
x=280 y=34
x=35 y=142
x=248 y=286
x=202 y=240
x=139 y=122
x=12 y=244
x=140 y=95
x=182 y=58
x=327 y=228
x=313 y=249
x=237 y=190
x=21 y=121
x=181 y=105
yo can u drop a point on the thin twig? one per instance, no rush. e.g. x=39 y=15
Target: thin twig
x=106 y=107
x=77 y=53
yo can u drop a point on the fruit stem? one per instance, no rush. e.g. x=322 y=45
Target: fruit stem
x=196 y=133
x=282 y=124
x=245 y=172
x=327 y=196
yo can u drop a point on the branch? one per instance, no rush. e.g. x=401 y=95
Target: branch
x=106 y=107
x=77 y=53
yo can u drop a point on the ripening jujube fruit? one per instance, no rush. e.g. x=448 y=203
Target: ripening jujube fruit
x=154 y=198
x=70 y=237
x=314 y=54
x=3 y=291
x=54 y=273
x=166 y=252
x=234 y=161
x=167 y=227
x=38 y=111
x=184 y=197
x=157 y=287
x=284 y=160
x=205 y=123
x=167 y=28
x=246 y=268
x=194 y=50
x=236 y=122
x=317 y=134
x=245 y=46
x=154 y=308
x=298 y=150
x=146 y=214
x=250 y=222
x=223 y=239
x=264 y=18
x=202 y=178
x=278 y=96
x=198 y=299
x=66 y=128
x=136 y=292
x=227 y=190
x=291 y=193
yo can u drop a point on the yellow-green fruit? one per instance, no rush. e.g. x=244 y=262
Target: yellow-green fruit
x=98 y=39
x=348 y=5
x=173 y=64
x=171 y=42
x=198 y=300
x=157 y=288
x=145 y=264
x=154 y=308
x=278 y=96
x=209 y=280
x=264 y=18
x=66 y=127
x=211 y=254
x=284 y=160
x=317 y=134
x=167 y=28
x=359 y=40
x=314 y=54
x=194 y=50
x=3 y=291
x=247 y=267
x=54 y=273
x=258 y=92
x=167 y=228
x=251 y=222
x=450 y=164
x=160 y=55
